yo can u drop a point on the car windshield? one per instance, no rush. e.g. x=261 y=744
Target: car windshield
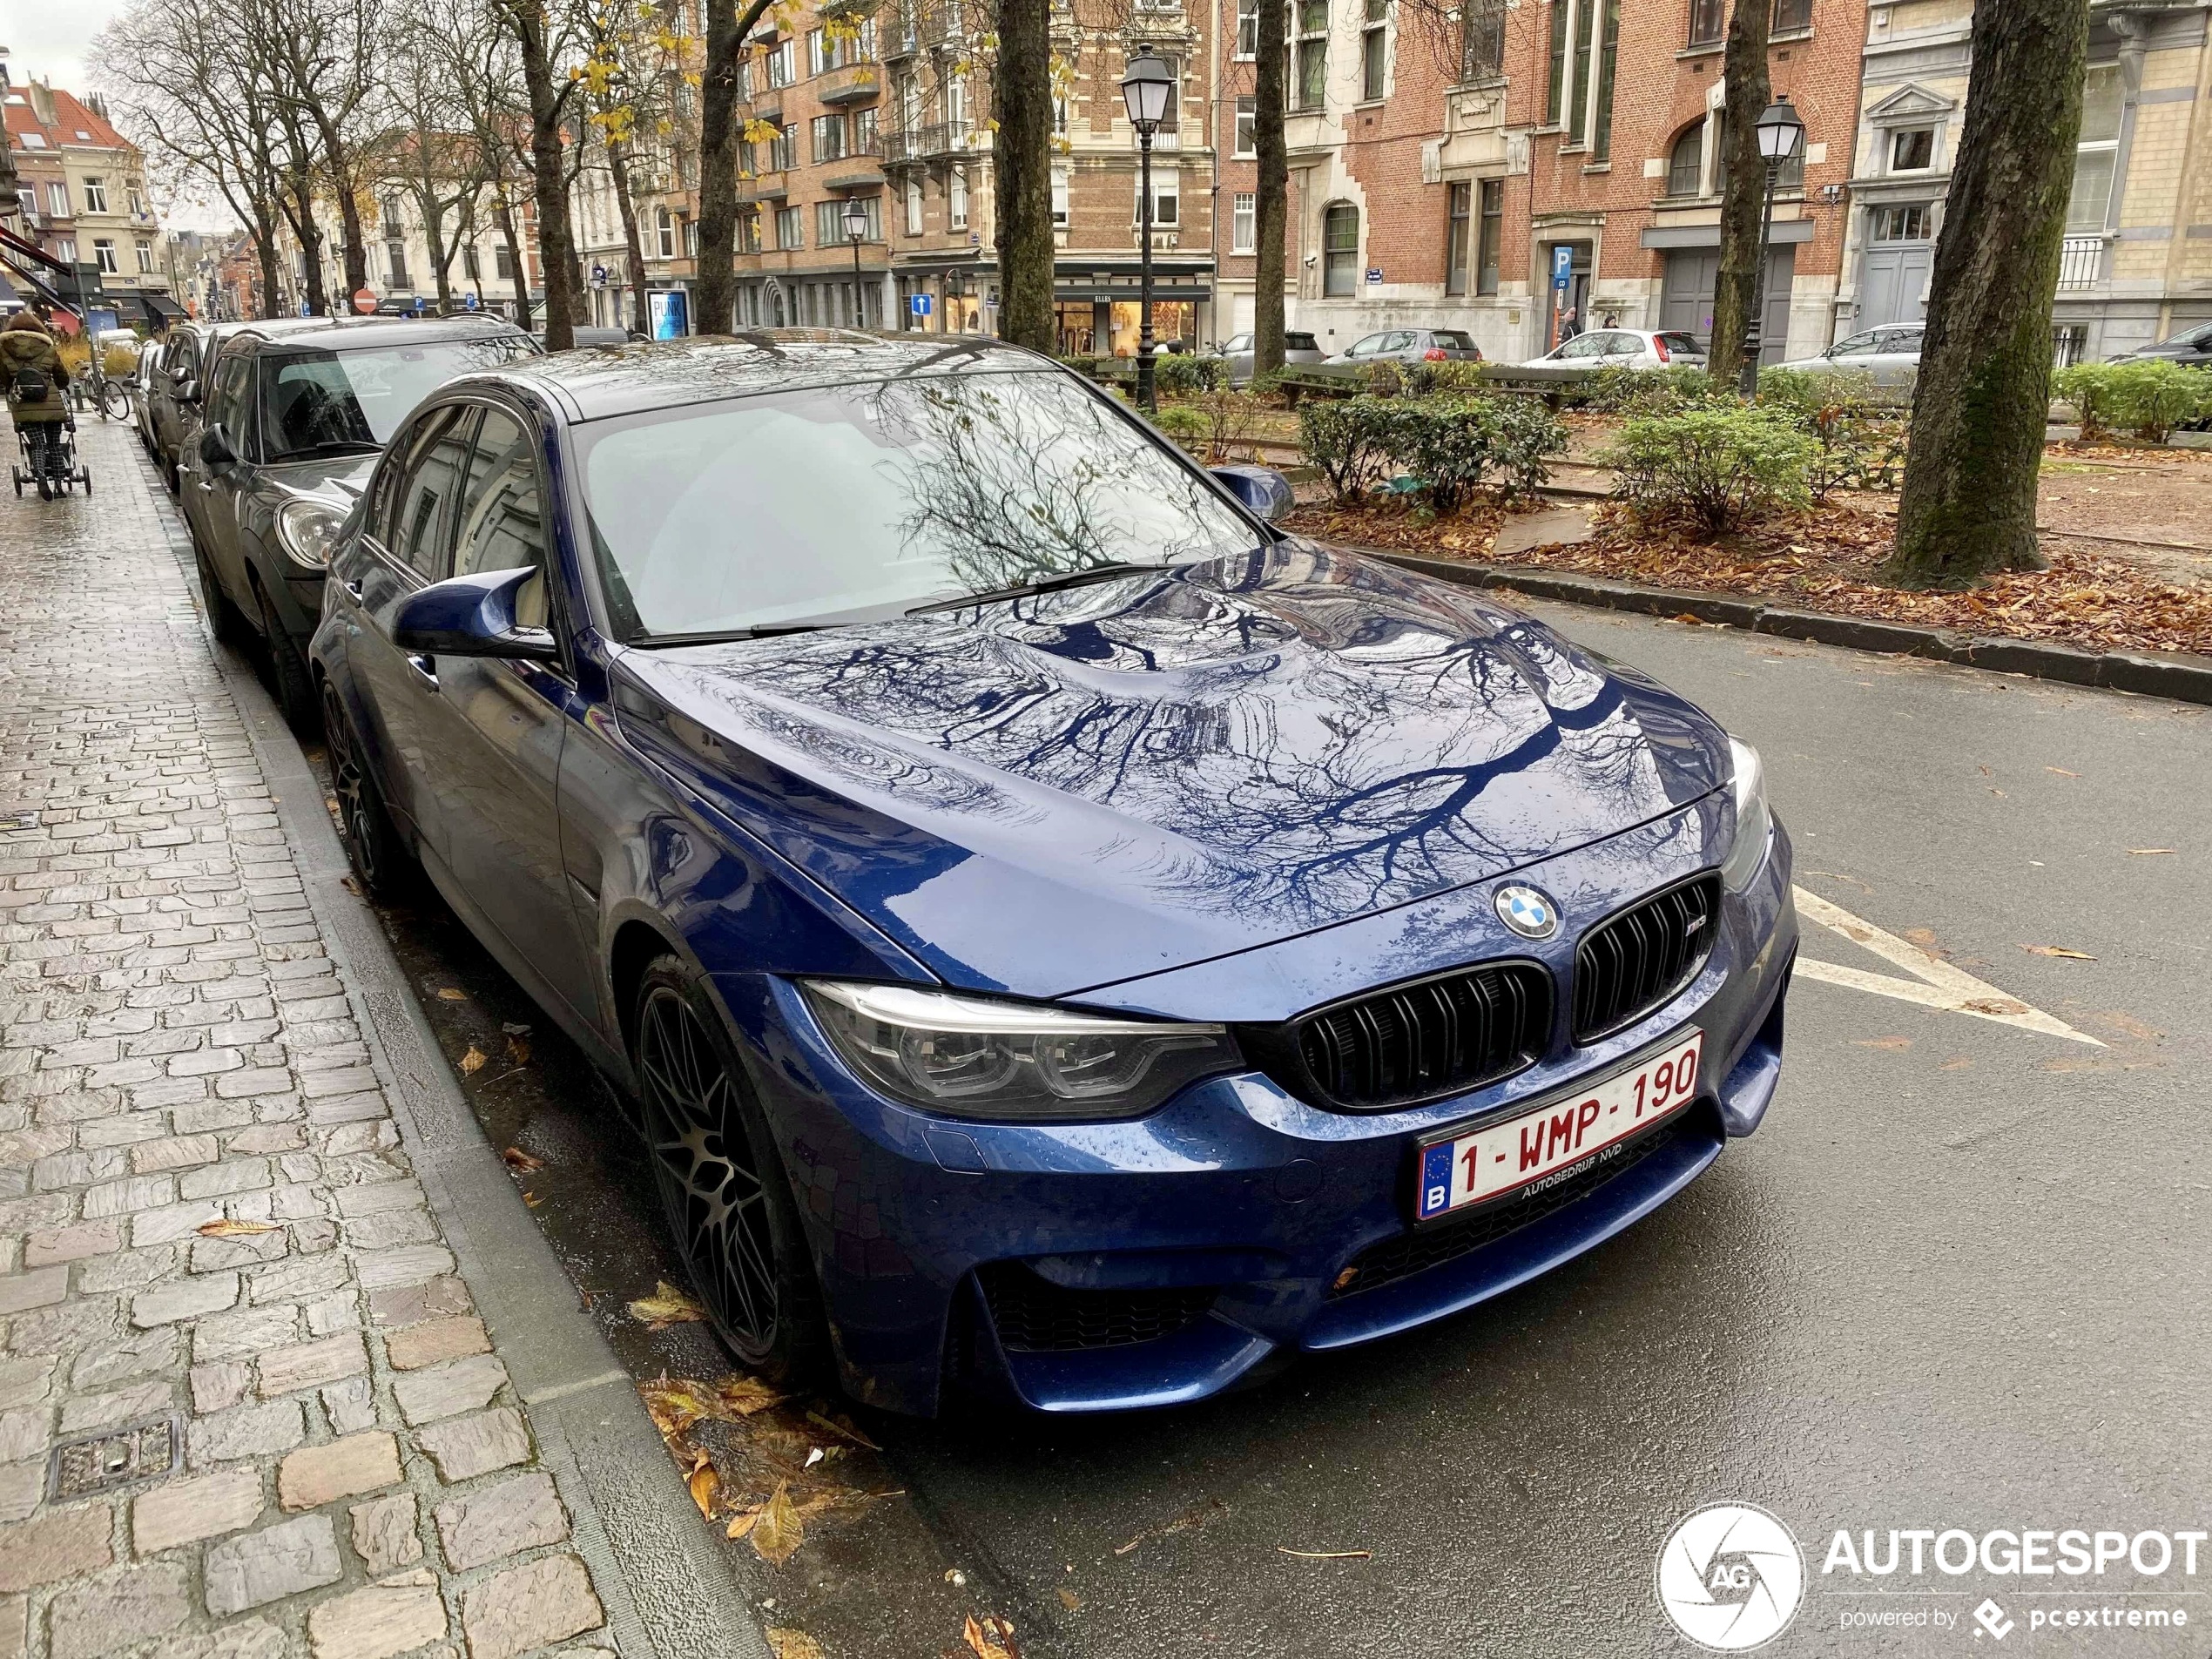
x=1679 y=343
x=314 y=402
x=1299 y=342
x=844 y=504
x=1453 y=340
x=2195 y=337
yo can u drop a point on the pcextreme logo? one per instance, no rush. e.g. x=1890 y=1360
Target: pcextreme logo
x=1730 y=1576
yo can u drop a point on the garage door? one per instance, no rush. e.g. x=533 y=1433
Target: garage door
x=1686 y=295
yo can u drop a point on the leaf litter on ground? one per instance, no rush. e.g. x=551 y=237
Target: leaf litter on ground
x=667 y=1305
x=990 y=1637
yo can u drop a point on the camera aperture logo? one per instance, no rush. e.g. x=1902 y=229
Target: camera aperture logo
x=1731 y=1577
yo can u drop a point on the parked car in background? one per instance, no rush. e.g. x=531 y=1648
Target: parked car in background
x=1627 y=348
x=2192 y=348
x=294 y=420
x=586 y=335
x=1299 y=348
x=1891 y=354
x=1070 y=942
x=177 y=380
x=1412 y=346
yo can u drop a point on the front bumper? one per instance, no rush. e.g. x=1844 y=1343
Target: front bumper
x=1106 y=1266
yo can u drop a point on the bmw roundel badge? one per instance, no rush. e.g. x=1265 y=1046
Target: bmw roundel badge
x=1527 y=911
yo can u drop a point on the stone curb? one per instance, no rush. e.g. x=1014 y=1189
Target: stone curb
x=668 y=1590
x=2181 y=676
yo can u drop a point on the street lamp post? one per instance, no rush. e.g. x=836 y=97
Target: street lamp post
x=1145 y=89
x=856 y=231
x=1779 y=133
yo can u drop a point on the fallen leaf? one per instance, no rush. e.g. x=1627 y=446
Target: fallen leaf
x=839 y=1426
x=2059 y=950
x=2147 y=851
x=1069 y=1600
x=518 y=1050
x=735 y=1397
x=1993 y=1005
x=990 y=1637
x=532 y=1200
x=1326 y=1555
x=473 y=1061
x=705 y=1486
x=1957 y=1063
x=778 y=1534
x=1691 y=617
x=667 y=1305
x=1883 y=1042
x=448 y=994
x=350 y=884
x=226 y=1228
x=2062 y=772
x=519 y=1160
x=674 y=1407
x=793 y=1645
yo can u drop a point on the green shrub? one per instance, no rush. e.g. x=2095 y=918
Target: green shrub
x=1716 y=467
x=1179 y=374
x=1528 y=432
x=1345 y=438
x=1446 y=445
x=1181 y=422
x=2149 y=397
x=1860 y=440
x=1454 y=374
x=2085 y=388
x=1620 y=390
x=1228 y=417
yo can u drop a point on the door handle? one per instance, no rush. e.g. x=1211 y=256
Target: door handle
x=426 y=668
x=351 y=585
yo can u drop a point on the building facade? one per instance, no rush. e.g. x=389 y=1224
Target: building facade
x=2137 y=265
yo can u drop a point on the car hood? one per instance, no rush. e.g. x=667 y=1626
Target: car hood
x=1053 y=793
x=338 y=480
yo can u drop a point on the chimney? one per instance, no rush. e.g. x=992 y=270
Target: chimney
x=42 y=102
x=97 y=102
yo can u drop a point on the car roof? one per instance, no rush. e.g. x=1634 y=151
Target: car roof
x=361 y=334
x=599 y=381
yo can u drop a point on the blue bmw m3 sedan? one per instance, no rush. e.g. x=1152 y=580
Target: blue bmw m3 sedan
x=1070 y=942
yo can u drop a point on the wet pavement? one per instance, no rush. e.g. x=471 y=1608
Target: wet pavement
x=1957 y=1280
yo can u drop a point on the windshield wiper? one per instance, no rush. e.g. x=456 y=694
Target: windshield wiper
x=331 y=447
x=723 y=636
x=1044 y=585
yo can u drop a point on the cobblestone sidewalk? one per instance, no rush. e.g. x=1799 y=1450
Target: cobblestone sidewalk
x=245 y=1405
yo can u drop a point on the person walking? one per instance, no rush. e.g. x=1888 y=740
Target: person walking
x=31 y=370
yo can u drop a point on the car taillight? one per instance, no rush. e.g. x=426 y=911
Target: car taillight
x=1659 y=345
x=1434 y=355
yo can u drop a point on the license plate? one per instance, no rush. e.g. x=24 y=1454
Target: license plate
x=1558 y=1140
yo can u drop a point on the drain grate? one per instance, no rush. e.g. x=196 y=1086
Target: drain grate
x=104 y=1460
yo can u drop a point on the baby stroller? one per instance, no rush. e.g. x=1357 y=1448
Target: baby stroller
x=61 y=471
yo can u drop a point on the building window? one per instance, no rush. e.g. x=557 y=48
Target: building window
x=1247 y=126
x=1493 y=235
x=783 y=64
x=1900 y=224
x=1459 y=203
x=829 y=223
x=952 y=98
x=1060 y=198
x=1912 y=149
x=1244 y=223
x=1707 y=19
x=57 y=200
x=1310 y=50
x=783 y=149
x=2069 y=342
x=1166 y=182
x=1608 y=53
x=913 y=204
x=502 y=262
x=664 y=232
x=1482 y=50
x=2102 y=97
x=146 y=257
x=862 y=143
x=471 y=268
x=748 y=230
x=1247 y=30
x=821 y=54
x=95 y=196
x=790 y=229
x=1792 y=16
x=103 y=256
x=1686 y=164
x=1374 y=52
x=1340 y=251
x=829 y=139
x=956 y=186
x=137 y=200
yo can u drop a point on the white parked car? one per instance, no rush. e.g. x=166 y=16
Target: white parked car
x=1891 y=354
x=1627 y=348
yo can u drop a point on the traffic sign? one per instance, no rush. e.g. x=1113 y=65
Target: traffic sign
x=470 y=301
x=918 y=304
x=364 y=300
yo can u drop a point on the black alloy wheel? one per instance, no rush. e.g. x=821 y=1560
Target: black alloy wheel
x=722 y=1182
x=372 y=848
x=295 y=691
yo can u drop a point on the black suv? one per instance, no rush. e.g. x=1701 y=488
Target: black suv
x=171 y=380
x=292 y=421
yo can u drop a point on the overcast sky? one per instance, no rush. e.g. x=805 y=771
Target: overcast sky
x=52 y=40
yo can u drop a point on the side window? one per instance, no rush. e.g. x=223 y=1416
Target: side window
x=1857 y=346
x=226 y=400
x=184 y=362
x=421 y=532
x=501 y=520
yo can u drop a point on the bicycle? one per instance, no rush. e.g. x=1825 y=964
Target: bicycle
x=111 y=396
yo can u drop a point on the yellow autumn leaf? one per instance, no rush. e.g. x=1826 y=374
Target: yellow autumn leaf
x=990 y=1637
x=2059 y=950
x=705 y=1486
x=226 y=1228
x=473 y=1061
x=778 y=1531
x=793 y=1645
x=449 y=994
x=736 y=1397
x=666 y=1305
x=519 y=1160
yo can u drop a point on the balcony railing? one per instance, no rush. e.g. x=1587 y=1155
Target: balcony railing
x=917 y=144
x=2081 y=263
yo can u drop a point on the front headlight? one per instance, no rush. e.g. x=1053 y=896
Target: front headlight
x=975 y=1057
x=1748 y=850
x=307 y=530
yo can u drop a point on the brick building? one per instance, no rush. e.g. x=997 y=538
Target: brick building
x=2137 y=265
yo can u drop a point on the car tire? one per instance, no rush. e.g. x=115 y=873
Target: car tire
x=379 y=859
x=295 y=691
x=722 y=1182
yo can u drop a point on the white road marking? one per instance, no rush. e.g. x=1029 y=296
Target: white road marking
x=1935 y=984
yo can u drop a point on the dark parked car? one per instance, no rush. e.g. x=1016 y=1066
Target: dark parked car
x=294 y=420
x=176 y=380
x=1068 y=941
x=2193 y=346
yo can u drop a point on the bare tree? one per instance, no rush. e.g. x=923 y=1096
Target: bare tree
x=1968 y=506
x=429 y=151
x=544 y=38
x=482 y=64
x=1272 y=206
x=324 y=56
x=1742 y=186
x=1021 y=173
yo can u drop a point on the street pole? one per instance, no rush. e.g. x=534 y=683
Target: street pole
x=859 y=293
x=1145 y=396
x=1753 y=329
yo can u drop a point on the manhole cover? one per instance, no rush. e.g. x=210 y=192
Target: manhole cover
x=108 y=1460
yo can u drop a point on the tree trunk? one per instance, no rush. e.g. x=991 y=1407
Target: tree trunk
x=726 y=29
x=1272 y=211
x=1022 y=173
x=434 y=241
x=302 y=218
x=633 y=243
x=264 y=251
x=336 y=152
x=1742 y=188
x=1968 y=506
x=505 y=213
x=556 y=240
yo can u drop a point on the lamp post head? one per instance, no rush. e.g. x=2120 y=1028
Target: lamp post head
x=1146 y=88
x=856 y=218
x=1779 y=130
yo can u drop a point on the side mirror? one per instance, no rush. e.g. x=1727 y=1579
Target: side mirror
x=188 y=390
x=471 y=615
x=215 y=451
x=1263 y=490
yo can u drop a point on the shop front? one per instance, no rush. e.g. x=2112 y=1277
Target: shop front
x=1097 y=307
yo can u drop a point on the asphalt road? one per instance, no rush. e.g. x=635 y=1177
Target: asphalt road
x=1958 y=1280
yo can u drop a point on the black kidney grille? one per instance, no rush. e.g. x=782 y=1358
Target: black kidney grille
x=1033 y=1315
x=1416 y=1252
x=1641 y=957
x=1435 y=1037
